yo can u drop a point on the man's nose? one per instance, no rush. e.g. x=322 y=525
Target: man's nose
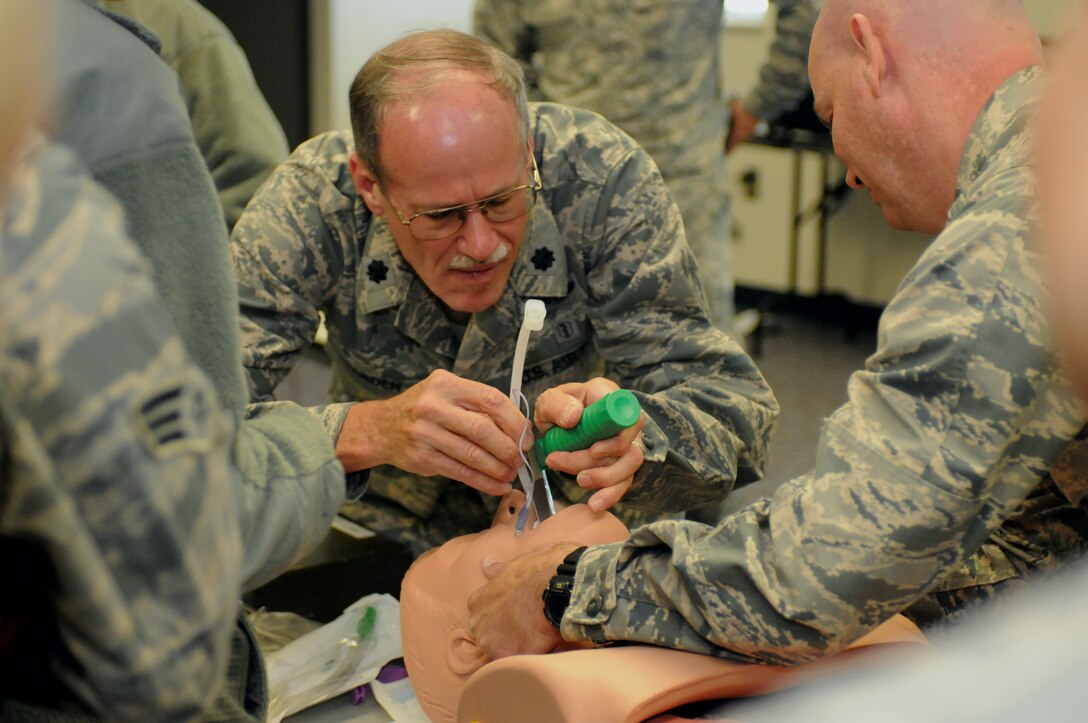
x=853 y=180
x=478 y=239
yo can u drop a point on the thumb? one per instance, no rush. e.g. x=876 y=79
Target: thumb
x=492 y=566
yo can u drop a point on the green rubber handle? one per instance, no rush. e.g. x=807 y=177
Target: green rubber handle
x=606 y=417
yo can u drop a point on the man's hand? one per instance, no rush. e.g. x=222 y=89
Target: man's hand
x=506 y=616
x=742 y=125
x=610 y=464
x=445 y=425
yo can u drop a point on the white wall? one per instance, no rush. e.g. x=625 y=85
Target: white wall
x=866 y=259
x=347 y=32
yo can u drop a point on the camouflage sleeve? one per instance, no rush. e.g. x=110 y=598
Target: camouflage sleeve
x=116 y=455
x=783 y=78
x=501 y=23
x=953 y=422
x=295 y=485
x=285 y=263
x=710 y=411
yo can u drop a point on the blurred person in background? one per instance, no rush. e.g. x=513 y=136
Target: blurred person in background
x=237 y=133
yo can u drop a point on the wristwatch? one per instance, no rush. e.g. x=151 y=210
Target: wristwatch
x=557 y=594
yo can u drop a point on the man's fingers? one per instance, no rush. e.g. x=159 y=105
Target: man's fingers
x=606 y=498
x=498 y=408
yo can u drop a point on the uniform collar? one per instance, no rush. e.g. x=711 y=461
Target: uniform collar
x=385 y=281
x=997 y=136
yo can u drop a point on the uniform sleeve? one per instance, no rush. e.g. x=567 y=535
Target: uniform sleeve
x=952 y=423
x=783 y=78
x=711 y=411
x=128 y=124
x=285 y=272
x=288 y=262
x=238 y=135
x=117 y=454
x=501 y=23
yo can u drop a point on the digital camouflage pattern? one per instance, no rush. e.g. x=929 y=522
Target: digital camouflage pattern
x=605 y=251
x=114 y=464
x=783 y=78
x=120 y=110
x=653 y=68
x=932 y=477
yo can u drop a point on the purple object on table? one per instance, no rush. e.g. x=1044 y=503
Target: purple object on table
x=388 y=674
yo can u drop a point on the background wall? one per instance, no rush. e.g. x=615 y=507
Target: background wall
x=865 y=258
x=344 y=33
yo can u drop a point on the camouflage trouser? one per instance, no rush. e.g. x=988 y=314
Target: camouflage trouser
x=460 y=511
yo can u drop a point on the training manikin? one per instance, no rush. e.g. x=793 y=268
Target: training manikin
x=441 y=656
x=438 y=651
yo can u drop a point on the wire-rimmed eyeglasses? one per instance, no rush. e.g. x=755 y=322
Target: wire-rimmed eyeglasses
x=506 y=206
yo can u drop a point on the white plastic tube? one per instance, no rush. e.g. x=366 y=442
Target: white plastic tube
x=532 y=321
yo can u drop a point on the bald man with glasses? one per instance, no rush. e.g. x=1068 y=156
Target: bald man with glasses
x=422 y=233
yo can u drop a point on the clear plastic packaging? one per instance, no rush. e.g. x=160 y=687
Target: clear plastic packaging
x=335 y=658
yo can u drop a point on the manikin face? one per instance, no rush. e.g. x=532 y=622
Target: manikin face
x=453 y=145
x=438 y=651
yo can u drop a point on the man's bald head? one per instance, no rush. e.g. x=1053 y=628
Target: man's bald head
x=909 y=78
x=933 y=31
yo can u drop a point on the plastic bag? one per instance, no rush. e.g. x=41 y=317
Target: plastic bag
x=335 y=658
x=275 y=630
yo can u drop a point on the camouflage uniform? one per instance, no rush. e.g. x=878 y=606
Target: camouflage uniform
x=605 y=251
x=652 y=67
x=237 y=133
x=116 y=507
x=933 y=477
x=120 y=111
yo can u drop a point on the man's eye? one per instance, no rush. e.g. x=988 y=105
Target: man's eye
x=500 y=202
x=439 y=216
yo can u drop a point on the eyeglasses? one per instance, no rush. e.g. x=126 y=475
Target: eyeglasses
x=506 y=206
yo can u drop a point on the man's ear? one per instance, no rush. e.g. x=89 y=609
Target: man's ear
x=366 y=183
x=876 y=63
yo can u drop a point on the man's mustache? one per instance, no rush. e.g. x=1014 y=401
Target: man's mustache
x=467 y=262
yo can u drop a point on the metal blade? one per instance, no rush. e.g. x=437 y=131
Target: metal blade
x=542 y=502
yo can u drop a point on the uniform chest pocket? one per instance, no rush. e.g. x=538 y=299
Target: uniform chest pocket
x=561 y=351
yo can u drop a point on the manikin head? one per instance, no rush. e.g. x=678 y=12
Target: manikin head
x=438 y=651
x=900 y=83
x=440 y=119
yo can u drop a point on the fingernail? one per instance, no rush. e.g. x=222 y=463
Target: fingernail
x=596 y=505
x=571 y=414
